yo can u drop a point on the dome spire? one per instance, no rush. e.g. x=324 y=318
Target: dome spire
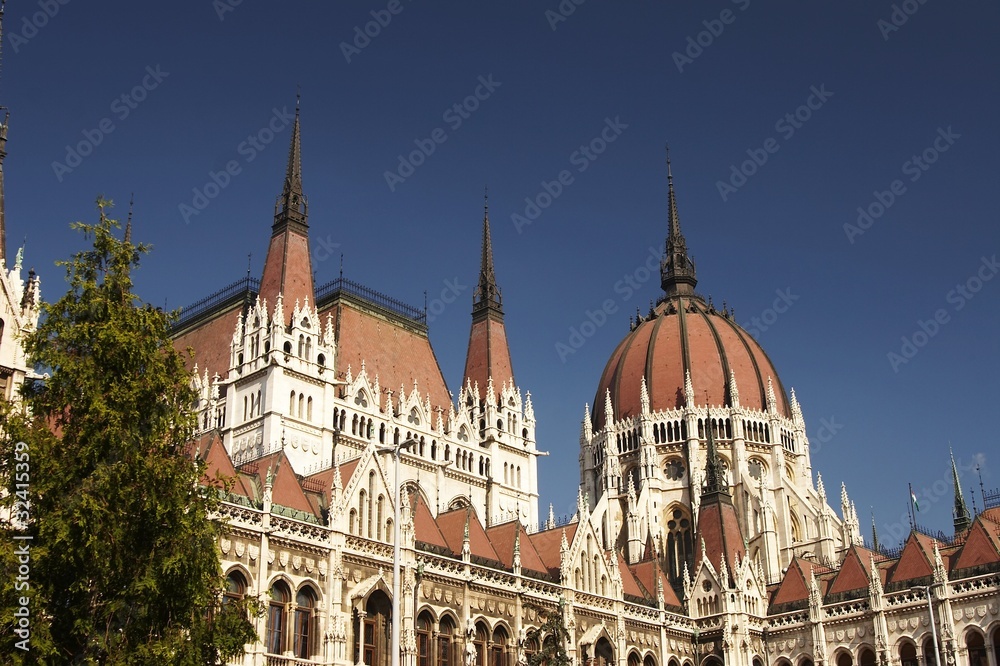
x=677 y=271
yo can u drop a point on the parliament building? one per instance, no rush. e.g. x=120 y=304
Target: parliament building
x=702 y=534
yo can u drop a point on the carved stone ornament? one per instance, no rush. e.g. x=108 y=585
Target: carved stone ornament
x=225 y=544
x=283 y=558
x=240 y=548
x=254 y=552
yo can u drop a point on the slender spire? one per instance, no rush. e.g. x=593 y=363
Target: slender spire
x=487 y=298
x=962 y=519
x=677 y=272
x=292 y=205
x=876 y=546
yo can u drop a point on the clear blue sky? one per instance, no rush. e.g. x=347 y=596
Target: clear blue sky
x=887 y=95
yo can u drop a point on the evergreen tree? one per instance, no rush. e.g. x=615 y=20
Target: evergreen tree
x=124 y=567
x=552 y=637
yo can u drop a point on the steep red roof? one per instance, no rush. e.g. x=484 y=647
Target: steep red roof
x=719 y=528
x=853 y=573
x=286 y=490
x=398 y=354
x=218 y=465
x=210 y=341
x=452 y=525
x=549 y=543
x=795 y=583
x=424 y=526
x=629 y=584
x=647 y=573
x=488 y=355
x=981 y=547
x=503 y=536
x=916 y=560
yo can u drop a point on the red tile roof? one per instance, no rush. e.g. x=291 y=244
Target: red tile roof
x=853 y=573
x=982 y=546
x=398 y=355
x=288 y=271
x=424 y=526
x=488 y=355
x=647 y=573
x=548 y=545
x=502 y=537
x=916 y=560
x=452 y=525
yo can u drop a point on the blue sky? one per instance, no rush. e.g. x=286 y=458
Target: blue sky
x=885 y=82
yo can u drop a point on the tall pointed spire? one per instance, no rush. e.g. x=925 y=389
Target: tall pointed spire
x=487 y=296
x=715 y=484
x=288 y=267
x=677 y=272
x=292 y=205
x=488 y=356
x=962 y=519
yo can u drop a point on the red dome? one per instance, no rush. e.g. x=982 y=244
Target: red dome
x=684 y=333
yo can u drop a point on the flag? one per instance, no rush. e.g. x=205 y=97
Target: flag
x=913 y=498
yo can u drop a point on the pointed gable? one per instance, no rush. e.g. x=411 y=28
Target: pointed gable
x=218 y=465
x=648 y=573
x=630 y=586
x=425 y=528
x=503 y=537
x=548 y=544
x=980 y=548
x=853 y=573
x=452 y=525
x=286 y=490
x=916 y=560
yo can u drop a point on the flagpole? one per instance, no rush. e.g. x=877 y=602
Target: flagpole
x=909 y=503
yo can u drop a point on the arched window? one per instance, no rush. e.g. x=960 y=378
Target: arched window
x=908 y=654
x=375 y=631
x=380 y=510
x=633 y=659
x=867 y=657
x=309 y=347
x=930 y=657
x=302 y=345
x=976 y=645
x=446 y=634
x=424 y=628
x=352 y=522
x=236 y=587
x=277 y=618
x=604 y=654
x=291 y=404
x=305 y=601
x=482 y=640
x=309 y=409
x=302 y=400
x=650 y=660
x=679 y=547
x=674 y=469
x=498 y=650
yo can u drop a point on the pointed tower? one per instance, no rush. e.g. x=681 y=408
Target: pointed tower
x=288 y=269
x=718 y=525
x=488 y=356
x=962 y=519
x=677 y=272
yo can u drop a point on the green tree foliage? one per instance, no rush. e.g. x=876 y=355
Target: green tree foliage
x=124 y=567
x=552 y=638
